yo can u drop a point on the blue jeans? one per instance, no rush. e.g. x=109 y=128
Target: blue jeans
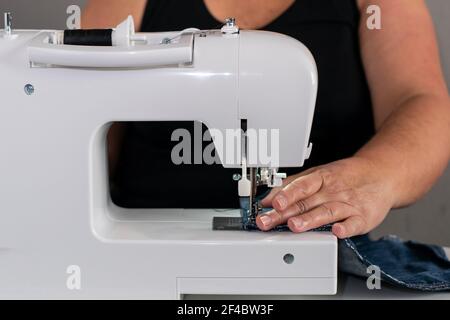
x=407 y=264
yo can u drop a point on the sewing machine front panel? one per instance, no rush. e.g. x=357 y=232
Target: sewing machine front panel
x=55 y=206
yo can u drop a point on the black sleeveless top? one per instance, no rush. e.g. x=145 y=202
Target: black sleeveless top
x=343 y=119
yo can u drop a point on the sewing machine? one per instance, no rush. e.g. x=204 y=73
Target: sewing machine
x=60 y=234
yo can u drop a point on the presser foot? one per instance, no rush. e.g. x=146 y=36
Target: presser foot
x=249 y=201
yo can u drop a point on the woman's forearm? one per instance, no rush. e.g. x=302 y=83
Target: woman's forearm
x=412 y=146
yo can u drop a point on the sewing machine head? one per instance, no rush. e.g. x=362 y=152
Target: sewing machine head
x=66 y=88
x=259 y=85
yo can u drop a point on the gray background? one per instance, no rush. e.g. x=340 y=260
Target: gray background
x=428 y=220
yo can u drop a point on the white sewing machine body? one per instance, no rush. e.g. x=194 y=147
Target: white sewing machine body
x=55 y=207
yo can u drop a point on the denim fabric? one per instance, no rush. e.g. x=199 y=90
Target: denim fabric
x=406 y=264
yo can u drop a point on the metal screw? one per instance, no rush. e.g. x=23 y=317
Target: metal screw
x=29 y=89
x=237 y=177
x=288 y=258
x=8 y=23
x=166 y=41
x=231 y=22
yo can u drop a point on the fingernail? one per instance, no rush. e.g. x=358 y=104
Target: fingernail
x=338 y=230
x=281 y=202
x=298 y=224
x=265 y=220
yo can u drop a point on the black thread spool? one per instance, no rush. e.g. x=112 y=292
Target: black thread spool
x=92 y=37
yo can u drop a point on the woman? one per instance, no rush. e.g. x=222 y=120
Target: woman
x=382 y=124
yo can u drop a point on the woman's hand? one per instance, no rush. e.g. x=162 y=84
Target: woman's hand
x=352 y=194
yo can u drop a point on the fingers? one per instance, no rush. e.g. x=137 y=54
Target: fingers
x=299 y=189
x=267 y=201
x=322 y=215
x=273 y=218
x=352 y=226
